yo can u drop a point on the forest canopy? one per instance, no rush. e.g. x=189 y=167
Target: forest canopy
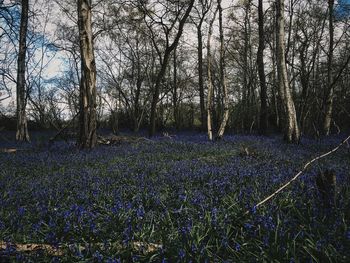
x=239 y=66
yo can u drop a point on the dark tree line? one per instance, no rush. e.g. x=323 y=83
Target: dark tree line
x=216 y=65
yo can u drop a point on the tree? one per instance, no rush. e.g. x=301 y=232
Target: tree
x=201 y=11
x=223 y=84
x=261 y=70
x=328 y=103
x=291 y=129
x=7 y=36
x=210 y=83
x=164 y=56
x=87 y=133
x=22 y=126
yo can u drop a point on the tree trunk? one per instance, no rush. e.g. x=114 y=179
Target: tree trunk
x=175 y=95
x=200 y=74
x=261 y=70
x=222 y=76
x=291 y=132
x=22 y=127
x=87 y=132
x=210 y=83
x=328 y=104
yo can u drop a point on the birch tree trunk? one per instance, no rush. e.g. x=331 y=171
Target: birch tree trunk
x=261 y=70
x=22 y=126
x=291 y=132
x=222 y=76
x=210 y=83
x=87 y=132
x=328 y=105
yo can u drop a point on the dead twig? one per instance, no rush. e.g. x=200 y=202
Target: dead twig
x=298 y=175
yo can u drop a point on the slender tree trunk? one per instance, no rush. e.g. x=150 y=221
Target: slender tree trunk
x=22 y=127
x=210 y=83
x=222 y=76
x=304 y=82
x=200 y=74
x=328 y=105
x=175 y=94
x=139 y=80
x=155 y=97
x=275 y=93
x=292 y=133
x=87 y=132
x=246 y=83
x=261 y=70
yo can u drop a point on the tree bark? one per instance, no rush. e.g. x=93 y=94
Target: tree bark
x=22 y=126
x=291 y=132
x=328 y=104
x=87 y=132
x=261 y=70
x=225 y=116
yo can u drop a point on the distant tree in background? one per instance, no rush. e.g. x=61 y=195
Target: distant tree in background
x=164 y=47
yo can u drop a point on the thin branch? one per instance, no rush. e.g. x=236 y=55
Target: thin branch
x=298 y=175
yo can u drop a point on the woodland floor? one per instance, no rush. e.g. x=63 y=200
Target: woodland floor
x=171 y=199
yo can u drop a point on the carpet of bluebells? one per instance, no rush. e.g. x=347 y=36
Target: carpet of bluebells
x=184 y=196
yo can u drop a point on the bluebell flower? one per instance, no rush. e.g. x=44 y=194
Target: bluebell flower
x=21 y=211
x=248 y=226
x=237 y=246
x=140 y=212
x=182 y=253
x=98 y=256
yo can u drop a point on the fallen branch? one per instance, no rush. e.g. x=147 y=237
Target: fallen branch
x=10 y=150
x=60 y=250
x=112 y=140
x=30 y=248
x=298 y=175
